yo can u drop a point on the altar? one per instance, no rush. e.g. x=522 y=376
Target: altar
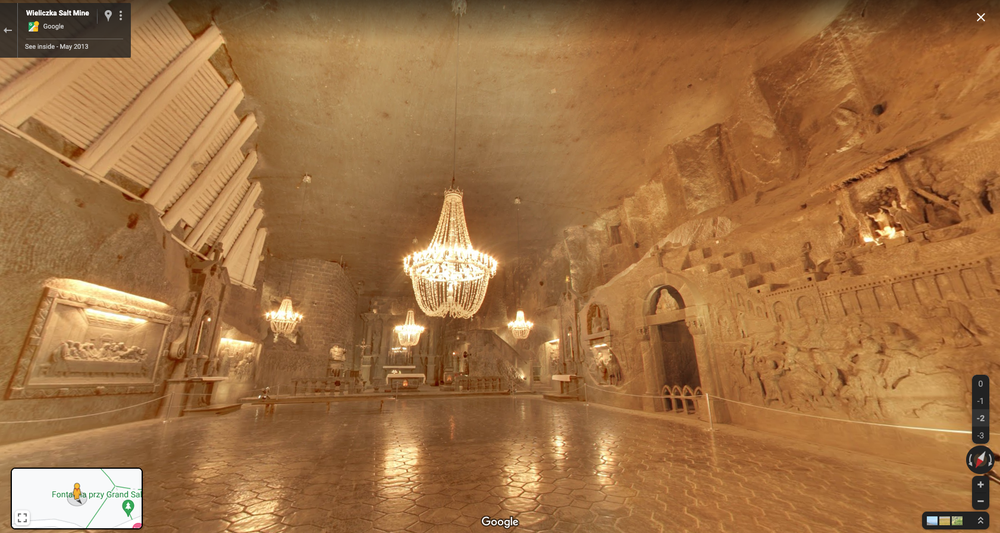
x=403 y=377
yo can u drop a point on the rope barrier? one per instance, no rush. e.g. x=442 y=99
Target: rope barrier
x=633 y=395
x=81 y=416
x=939 y=430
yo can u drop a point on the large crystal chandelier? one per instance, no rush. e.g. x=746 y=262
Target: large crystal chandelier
x=409 y=332
x=450 y=276
x=284 y=320
x=520 y=328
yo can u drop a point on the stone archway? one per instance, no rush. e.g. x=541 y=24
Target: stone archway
x=676 y=351
x=671 y=341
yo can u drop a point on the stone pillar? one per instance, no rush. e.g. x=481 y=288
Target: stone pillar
x=652 y=372
x=431 y=371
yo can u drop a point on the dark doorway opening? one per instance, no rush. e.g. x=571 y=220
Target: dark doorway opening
x=680 y=364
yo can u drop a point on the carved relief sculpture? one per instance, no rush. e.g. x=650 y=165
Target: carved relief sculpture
x=87 y=339
x=238 y=359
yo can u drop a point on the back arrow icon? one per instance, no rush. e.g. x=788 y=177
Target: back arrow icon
x=7 y=30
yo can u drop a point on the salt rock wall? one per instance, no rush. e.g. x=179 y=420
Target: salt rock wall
x=884 y=332
x=322 y=292
x=54 y=224
x=830 y=245
x=491 y=355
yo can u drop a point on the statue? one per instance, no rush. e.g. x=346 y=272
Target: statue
x=741 y=324
x=769 y=371
x=595 y=324
x=755 y=390
x=59 y=356
x=906 y=220
x=807 y=262
x=657 y=252
x=865 y=383
x=882 y=221
x=956 y=325
x=338 y=353
x=841 y=263
x=969 y=205
x=614 y=370
x=829 y=376
x=191 y=369
x=665 y=302
x=993 y=194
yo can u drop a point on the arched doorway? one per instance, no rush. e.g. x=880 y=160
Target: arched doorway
x=671 y=341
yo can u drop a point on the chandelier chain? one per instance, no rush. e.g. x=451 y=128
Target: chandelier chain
x=520 y=328
x=458 y=47
x=517 y=225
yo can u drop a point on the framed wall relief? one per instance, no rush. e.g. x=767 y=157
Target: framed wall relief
x=87 y=340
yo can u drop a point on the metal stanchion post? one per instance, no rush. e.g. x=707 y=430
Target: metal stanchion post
x=708 y=405
x=170 y=405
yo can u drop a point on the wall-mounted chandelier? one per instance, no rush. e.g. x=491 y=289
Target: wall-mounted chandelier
x=409 y=332
x=284 y=320
x=519 y=328
x=450 y=276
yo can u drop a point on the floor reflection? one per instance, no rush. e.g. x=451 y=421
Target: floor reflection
x=442 y=465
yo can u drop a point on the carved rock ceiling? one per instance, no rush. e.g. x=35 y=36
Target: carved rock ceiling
x=568 y=103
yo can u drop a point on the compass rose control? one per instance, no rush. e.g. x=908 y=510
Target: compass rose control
x=76 y=498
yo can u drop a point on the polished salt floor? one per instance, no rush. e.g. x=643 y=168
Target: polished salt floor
x=442 y=465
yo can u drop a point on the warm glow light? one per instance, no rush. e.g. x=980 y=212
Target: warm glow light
x=886 y=233
x=114 y=317
x=520 y=328
x=284 y=320
x=890 y=232
x=237 y=342
x=409 y=332
x=600 y=346
x=554 y=340
x=82 y=287
x=450 y=276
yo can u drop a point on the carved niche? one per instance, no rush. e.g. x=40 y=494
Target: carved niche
x=601 y=363
x=86 y=339
x=597 y=320
x=237 y=360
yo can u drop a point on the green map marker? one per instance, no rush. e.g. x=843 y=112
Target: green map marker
x=127 y=505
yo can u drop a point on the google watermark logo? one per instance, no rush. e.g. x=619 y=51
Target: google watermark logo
x=505 y=523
